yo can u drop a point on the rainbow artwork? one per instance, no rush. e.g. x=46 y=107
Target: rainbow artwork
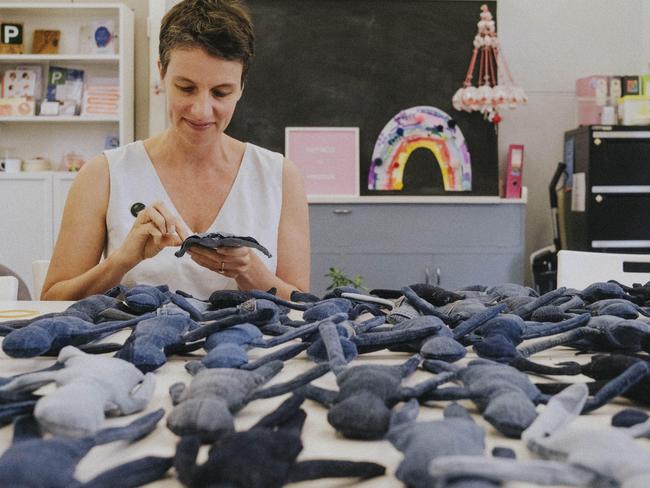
x=414 y=128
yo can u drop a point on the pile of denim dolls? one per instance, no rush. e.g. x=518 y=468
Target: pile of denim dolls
x=501 y=327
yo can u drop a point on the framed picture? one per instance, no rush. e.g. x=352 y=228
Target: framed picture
x=328 y=158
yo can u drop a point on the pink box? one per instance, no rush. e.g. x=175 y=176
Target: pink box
x=592 y=93
x=593 y=86
x=589 y=113
x=328 y=158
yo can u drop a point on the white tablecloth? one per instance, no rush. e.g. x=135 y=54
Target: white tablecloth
x=319 y=438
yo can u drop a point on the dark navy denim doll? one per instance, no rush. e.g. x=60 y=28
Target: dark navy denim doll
x=32 y=462
x=603 y=368
x=213 y=240
x=263 y=457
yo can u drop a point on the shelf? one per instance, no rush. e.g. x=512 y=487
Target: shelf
x=85 y=58
x=414 y=199
x=61 y=118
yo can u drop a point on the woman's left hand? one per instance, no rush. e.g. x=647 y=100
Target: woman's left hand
x=233 y=262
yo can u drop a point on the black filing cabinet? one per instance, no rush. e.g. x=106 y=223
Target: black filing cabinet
x=607 y=204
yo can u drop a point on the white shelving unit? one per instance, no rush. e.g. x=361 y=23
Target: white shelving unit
x=53 y=136
x=32 y=203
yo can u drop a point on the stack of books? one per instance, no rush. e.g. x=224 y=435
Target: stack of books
x=101 y=97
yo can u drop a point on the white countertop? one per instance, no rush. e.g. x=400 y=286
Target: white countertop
x=460 y=198
x=319 y=438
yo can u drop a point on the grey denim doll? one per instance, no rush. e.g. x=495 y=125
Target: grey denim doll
x=89 y=388
x=420 y=442
x=506 y=397
x=577 y=456
x=361 y=409
x=206 y=407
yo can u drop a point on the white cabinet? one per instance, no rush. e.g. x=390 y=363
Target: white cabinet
x=53 y=136
x=31 y=207
x=25 y=221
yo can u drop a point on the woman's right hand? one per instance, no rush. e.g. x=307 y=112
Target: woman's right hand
x=154 y=228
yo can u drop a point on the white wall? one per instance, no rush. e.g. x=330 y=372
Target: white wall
x=548 y=44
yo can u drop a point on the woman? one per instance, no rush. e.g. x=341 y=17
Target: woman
x=193 y=178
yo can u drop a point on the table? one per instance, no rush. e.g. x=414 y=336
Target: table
x=319 y=438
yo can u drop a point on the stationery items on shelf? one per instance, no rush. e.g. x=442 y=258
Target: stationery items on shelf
x=65 y=85
x=101 y=97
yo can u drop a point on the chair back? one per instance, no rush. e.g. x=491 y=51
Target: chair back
x=8 y=288
x=579 y=269
x=39 y=272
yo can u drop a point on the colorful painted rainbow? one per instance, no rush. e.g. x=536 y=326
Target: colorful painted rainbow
x=414 y=128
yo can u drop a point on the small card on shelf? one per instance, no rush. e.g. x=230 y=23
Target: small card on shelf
x=97 y=37
x=46 y=41
x=11 y=38
x=17 y=106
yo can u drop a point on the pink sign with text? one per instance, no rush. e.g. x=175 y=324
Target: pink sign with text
x=328 y=158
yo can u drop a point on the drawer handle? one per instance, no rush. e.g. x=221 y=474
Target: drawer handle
x=342 y=211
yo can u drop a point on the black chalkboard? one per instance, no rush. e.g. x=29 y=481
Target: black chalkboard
x=357 y=63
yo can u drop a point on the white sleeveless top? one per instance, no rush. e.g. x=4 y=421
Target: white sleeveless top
x=252 y=208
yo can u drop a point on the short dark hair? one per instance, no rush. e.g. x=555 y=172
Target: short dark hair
x=222 y=28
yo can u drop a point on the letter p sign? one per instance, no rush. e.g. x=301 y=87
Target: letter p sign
x=12 y=33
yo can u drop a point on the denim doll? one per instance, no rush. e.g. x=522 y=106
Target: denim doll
x=89 y=387
x=421 y=442
x=228 y=348
x=603 y=368
x=213 y=240
x=574 y=456
x=32 y=462
x=498 y=338
x=603 y=333
x=264 y=456
x=361 y=408
x=205 y=408
x=506 y=397
x=89 y=309
x=15 y=405
x=50 y=335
